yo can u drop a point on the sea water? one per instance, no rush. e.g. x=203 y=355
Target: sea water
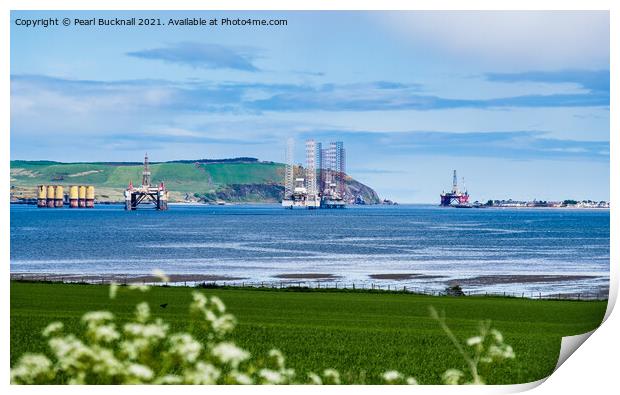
x=485 y=250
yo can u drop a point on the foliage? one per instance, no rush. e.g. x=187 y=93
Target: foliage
x=455 y=290
x=145 y=351
x=361 y=335
x=486 y=348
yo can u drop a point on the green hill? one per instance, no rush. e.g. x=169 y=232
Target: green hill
x=237 y=180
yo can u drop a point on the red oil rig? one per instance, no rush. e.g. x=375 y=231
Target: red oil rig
x=156 y=195
x=455 y=198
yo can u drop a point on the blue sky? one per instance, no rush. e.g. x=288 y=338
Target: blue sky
x=517 y=102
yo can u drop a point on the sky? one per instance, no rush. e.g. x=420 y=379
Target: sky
x=516 y=101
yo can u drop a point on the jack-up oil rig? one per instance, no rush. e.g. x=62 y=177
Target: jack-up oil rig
x=455 y=198
x=324 y=182
x=146 y=194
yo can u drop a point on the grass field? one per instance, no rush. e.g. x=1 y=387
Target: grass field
x=180 y=177
x=360 y=334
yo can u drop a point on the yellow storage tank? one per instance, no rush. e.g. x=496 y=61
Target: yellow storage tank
x=73 y=196
x=59 y=196
x=82 y=196
x=41 y=196
x=50 y=196
x=90 y=196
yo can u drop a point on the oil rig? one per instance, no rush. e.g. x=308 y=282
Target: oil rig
x=455 y=198
x=146 y=194
x=324 y=183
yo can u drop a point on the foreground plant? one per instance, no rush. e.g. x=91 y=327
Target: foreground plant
x=144 y=351
x=487 y=347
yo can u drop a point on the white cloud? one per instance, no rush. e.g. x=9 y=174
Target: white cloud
x=509 y=40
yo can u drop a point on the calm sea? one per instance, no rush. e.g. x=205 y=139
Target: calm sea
x=495 y=250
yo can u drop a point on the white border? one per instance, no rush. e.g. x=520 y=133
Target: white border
x=593 y=368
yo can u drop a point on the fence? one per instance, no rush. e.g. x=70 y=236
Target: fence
x=300 y=286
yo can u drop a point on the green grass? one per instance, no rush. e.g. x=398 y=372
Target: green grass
x=181 y=177
x=359 y=334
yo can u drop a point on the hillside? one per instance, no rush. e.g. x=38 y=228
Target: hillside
x=233 y=180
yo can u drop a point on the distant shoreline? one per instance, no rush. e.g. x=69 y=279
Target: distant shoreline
x=198 y=204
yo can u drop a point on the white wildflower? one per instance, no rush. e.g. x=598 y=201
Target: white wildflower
x=161 y=275
x=52 y=328
x=113 y=290
x=105 y=333
x=499 y=352
x=210 y=316
x=105 y=363
x=140 y=372
x=473 y=341
x=228 y=353
x=508 y=352
x=452 y=376
x=411 y=381
x=97 y=317
x=199 y=301
x=277 y=357
x=153 y=331
x=271 y=376
x=32 y=369
x=331 y=376
x=224 y=324
x=497 y=335
x=314 y=378
x=132 y=349
x=184 y=346
x=203 y=373
x=139 y=287
x=143 y=312
x=169 y=379
x=288 y=373
x=70 y=352
x=392 y=375
x=78 y=379
x=241 y=378
x=219 y=305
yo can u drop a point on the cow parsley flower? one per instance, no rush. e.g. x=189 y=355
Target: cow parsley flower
x=331 y=376
x=392 y=376
x=219 y=305
x=97 y=317
x=52 y=329
x=143 y=312
x=105 y=333
x=452 y=376
x=139 y=287
x=140 y=372
x=271 y=376
x=203 y=373
x=185 y=347
x=314 y=378
x=473 y=341
x=228 y=353
x=32 y=369
x=113 y=290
